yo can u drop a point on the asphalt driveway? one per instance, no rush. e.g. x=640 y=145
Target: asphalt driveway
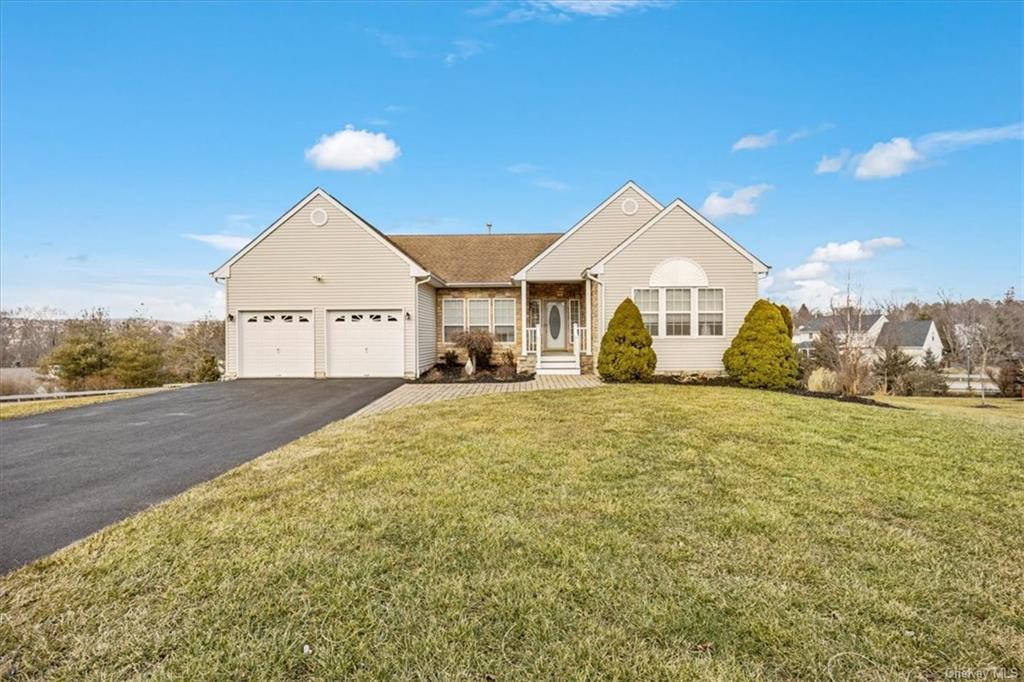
x=66 y=474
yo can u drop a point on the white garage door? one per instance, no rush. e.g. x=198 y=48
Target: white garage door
x=365 y=343
x=276 y=344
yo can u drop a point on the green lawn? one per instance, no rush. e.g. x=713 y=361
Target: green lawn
x=647 y=532
x=30 y=407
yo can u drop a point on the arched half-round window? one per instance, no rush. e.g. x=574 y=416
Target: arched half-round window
x=678 y=272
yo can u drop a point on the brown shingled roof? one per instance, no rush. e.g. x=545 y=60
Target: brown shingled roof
x=474 y=258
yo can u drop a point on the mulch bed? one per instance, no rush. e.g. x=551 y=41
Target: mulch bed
x=454 y=375
x=708 y=380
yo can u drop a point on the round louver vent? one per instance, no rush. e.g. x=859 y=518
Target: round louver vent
x=318 y=217
x=629 y=206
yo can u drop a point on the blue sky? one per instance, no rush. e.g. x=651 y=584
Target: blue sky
x=877 y=142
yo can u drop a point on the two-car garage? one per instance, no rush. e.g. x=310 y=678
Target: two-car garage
x=358 y=343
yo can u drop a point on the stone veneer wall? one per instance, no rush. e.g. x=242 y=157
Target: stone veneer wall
x=541 y=290
x=468 y=293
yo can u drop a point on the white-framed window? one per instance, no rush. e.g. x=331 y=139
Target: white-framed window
x=454 y=314
x=647 y=300
x=677 y=312
x=710 y=312
x=534 y=313
x=505 y=320
x=479 y=315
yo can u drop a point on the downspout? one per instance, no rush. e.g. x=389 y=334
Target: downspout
x=416 y=321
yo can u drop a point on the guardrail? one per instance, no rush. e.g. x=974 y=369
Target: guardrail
x=59 y=395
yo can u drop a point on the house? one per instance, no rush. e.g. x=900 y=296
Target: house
x=875 y=332
x=914 y=337
x=322 y=293
x=864 y=330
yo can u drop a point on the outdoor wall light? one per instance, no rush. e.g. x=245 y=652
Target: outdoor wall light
x=318 y=278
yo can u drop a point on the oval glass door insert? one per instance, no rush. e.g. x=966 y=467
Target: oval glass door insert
x=554 y=322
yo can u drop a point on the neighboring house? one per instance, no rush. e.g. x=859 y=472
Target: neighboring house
x=913 y=337
x=321 y=292
x=864 y=329
x=874 y=332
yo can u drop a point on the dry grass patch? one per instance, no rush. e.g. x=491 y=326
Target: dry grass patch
x=645 y=532
x=30 y=407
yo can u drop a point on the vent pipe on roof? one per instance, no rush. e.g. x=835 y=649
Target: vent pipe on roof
x=488 y=226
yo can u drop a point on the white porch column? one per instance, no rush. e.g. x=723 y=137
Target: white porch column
x=590 y=326
x=525 y=317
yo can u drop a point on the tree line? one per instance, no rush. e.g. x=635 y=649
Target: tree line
x=93 y=351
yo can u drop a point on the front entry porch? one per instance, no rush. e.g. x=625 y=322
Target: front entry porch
x=557 y=327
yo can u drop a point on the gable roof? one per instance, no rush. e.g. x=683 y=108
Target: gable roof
x=759 y=265
x=816 y=324
x=415 y=269
x=475 y=258
x=910 y=333
x=565 y=235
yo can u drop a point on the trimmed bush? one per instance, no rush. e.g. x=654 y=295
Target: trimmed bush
x=787 y=317
x=763 y=355
x=478 y=346
x=823 y=380
x=626 y=352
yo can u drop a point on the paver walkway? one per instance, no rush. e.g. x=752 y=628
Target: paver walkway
x=419 y=394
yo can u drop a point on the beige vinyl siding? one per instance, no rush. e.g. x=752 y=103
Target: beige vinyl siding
x=358 y=272
x=593 y=240
x=679 y=235
x=427 y=321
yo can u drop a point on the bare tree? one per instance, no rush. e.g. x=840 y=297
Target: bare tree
x=855 y=351
x=27 y=334
x=978 y=333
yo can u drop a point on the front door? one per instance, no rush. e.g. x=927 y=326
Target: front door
x=554 y=325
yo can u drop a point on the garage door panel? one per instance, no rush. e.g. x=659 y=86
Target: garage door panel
x=366 y=343
x=276 y=344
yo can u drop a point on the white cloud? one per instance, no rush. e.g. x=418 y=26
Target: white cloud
x=561 y=11
x=225 y=242
x=463 y=50
x=807 y=132
x=952 y=140
x=741 y=202
x=769 y=139
x=602 y=8
x=806 y=270
x=832 y=164
x=853 y=249
x=815 y=293
x=811 y=282
x=352 y=149
x=556 y=185
x=887 y=159
x=522 y=168
x=900 y=155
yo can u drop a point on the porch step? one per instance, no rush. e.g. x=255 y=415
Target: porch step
x=558 y=364
x=547 y=371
